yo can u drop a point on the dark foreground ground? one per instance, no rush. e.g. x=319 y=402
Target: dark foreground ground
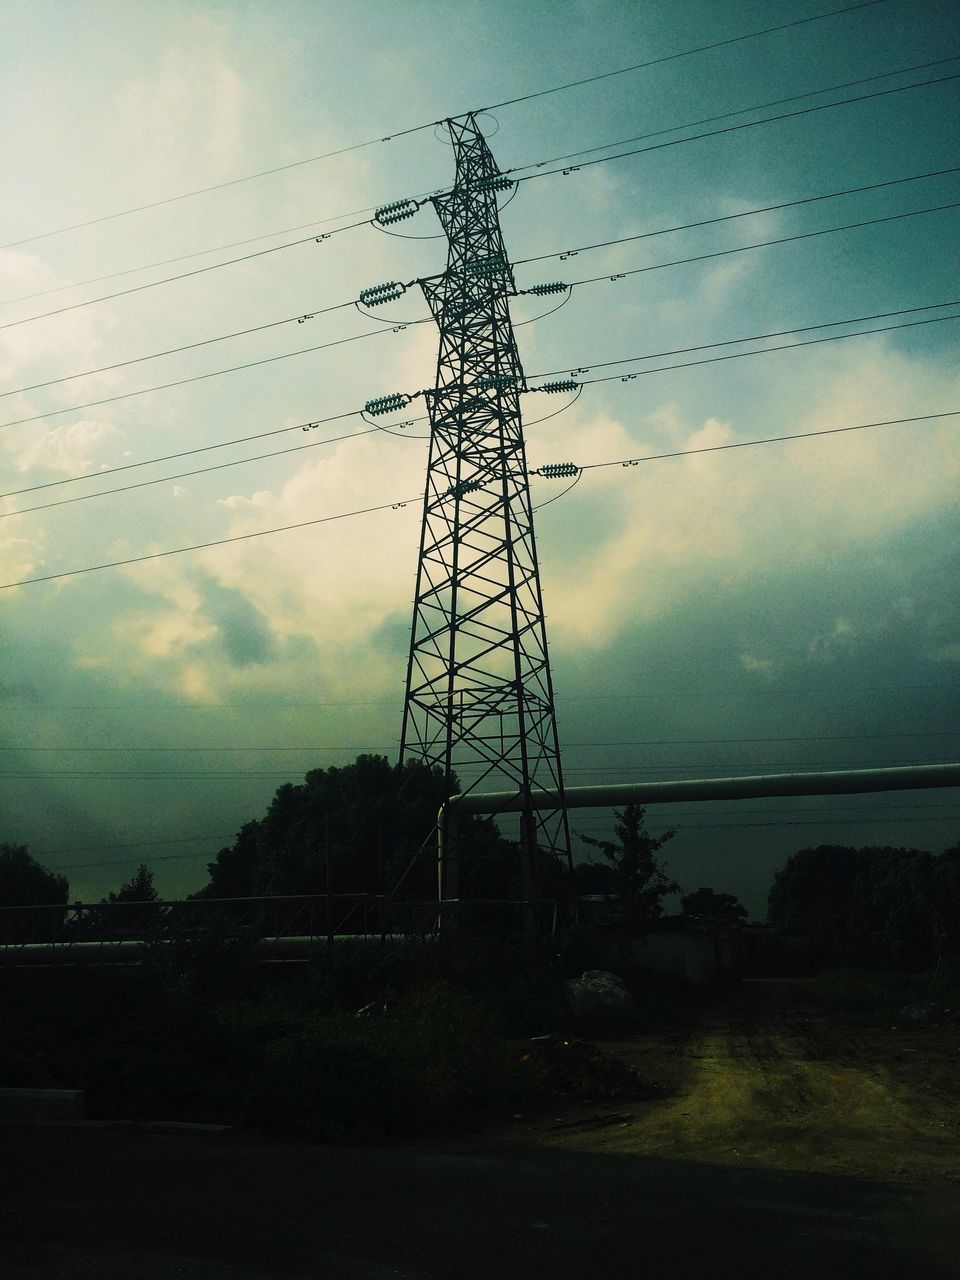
x=786 y=1145
x=123 y=1205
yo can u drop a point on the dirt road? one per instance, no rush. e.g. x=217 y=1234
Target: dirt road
x=789 y=1147
x=767 y=1080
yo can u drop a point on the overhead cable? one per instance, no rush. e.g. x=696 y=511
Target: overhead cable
x=757 y=106
x=295 y=164
x=733 y=128
x=235 y=244
x=181 y=475
x=183 y=275
x=184 y=453
x=756 y=337
x=398 y=327
x=302 y=318
x=216 y=542
x=762 y=351
x=214 y=373
x=568 y=746
x=684 y=53
x=516 y=169
x=70 y=573
x=561 y=254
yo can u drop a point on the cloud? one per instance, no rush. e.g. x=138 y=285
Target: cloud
x=70 y=449
x=839 y=640
x=631 y=544
x=244 y=632
x=237 y=502
x=760 y=665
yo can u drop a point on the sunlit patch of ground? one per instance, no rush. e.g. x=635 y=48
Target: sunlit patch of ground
x=766 y=1079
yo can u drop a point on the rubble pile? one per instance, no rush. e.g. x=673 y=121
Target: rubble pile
x=571 y=1068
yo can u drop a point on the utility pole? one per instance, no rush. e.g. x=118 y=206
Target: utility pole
x=479 y=696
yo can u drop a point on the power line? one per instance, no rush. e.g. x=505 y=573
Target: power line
x=732 y=128
x=580 y=369
x=744 y=444
x=544 y=173
x=295 y=164
x=683 y=53
x=640 y=765
x=185 y=453
x=758 y=337
x=757 y=106
x=730 y=217
x=217 y=542
x=235 y=244
x=214 y=373
x=396 y=328
x=189 y=346
x=789 y=346
x=183 y=257
x=135 y=844
x=561 y=254
x=198 y=471
x=217 y=186
x=764 y=244
x=836 y=822
x=183 y=275
x=404 y=502
x=568 y=746
x=941 y=691
x=128 y=862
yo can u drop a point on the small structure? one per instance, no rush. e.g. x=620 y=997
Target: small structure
x=673 y=947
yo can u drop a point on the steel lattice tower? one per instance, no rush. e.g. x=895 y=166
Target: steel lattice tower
x=479 y=694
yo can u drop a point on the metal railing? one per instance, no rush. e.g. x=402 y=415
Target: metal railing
x=283 y=927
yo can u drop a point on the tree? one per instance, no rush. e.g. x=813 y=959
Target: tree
x=946 y=906
x=638 y=883
x=364 y=828
x=137 y=891
x=813 y=896
x=872 y=906
x=710 y=907
x=25 y=883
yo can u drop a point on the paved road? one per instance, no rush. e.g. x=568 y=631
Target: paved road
x=115 y=1204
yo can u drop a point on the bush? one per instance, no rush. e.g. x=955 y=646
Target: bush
x=866 y=996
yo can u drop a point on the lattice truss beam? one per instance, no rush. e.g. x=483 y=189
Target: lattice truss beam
x=479 y=698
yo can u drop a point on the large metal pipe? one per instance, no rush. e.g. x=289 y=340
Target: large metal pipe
x=130 y=951
x=839 y=782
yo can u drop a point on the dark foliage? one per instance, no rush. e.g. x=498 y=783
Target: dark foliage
x=25 y=883
x=367 y=827
x=138 y=913
x=636 y=882
x=712 y=908
x=873 y=907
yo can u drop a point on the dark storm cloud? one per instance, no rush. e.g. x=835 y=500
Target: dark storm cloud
x=768 y=660
x=245 y=633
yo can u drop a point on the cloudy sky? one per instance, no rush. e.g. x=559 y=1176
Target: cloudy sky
x=783 y=606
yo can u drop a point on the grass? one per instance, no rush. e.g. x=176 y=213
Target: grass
x=359 y=1044
x=867 y=996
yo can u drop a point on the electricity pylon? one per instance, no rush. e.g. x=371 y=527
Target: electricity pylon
x=479 y=696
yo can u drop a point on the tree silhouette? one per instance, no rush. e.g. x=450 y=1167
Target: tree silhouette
x=710 y=907
x=637 y=882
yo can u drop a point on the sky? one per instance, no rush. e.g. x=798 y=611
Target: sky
x=777 y=607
